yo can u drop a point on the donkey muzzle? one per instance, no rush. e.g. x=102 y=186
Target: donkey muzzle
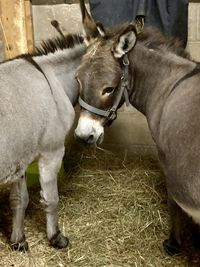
x=89 y=130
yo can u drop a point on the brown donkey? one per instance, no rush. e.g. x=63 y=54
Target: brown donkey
x=157 y=77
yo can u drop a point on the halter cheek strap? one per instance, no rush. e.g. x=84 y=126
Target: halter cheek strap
x=110 y=114
x=97 y=111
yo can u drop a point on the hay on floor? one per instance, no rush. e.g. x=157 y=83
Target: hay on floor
x=114 y=212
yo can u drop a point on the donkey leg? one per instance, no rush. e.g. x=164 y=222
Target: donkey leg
x=19 y=199
x=49 y=165
x=173 y=245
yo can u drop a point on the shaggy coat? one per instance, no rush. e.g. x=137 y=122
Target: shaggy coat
x=36 y=114
x=164 y=84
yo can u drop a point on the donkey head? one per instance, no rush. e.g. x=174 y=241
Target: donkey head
x=100 y=75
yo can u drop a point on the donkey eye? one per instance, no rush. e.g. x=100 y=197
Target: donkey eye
x=108 y=90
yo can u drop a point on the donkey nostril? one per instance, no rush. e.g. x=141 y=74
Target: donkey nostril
x=90 y=139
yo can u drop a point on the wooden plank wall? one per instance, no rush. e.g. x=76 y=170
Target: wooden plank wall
x=16 y=27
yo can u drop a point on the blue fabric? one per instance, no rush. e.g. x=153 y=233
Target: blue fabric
x=169 y=16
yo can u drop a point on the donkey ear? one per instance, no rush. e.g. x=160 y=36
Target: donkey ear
x=139 y=24
x=92 y=29
x=125 y=41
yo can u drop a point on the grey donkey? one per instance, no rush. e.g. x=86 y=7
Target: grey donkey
x=37 y=95
x=157 y=77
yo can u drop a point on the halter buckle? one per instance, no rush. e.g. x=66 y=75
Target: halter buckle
x=125 y=60
x=112 y=115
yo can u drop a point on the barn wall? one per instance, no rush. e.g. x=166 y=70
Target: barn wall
x=67 y=12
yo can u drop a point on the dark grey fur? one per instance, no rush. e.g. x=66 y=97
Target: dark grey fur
x=173 y=116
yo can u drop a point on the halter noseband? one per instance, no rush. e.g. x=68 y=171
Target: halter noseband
x=110 y=114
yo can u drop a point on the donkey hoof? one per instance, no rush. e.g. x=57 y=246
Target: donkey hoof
x=59 y=241
x=21 y=246
x=172 y=248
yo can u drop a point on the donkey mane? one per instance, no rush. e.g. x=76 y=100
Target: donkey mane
x=51 y=46
x=58 y=43
x=153 y=39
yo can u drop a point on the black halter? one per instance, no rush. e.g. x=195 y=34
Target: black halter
x=124 y=89
x=110 y=114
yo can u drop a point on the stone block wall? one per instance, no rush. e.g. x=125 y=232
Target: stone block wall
x=68 y=16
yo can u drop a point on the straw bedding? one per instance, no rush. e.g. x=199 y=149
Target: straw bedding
x=113 y=210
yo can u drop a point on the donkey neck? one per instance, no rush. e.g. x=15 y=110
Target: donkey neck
x=154 y=73
x=63 y=64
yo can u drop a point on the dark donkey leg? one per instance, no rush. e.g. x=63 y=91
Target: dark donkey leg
x=173 y=245
x=49 y=165
x=19 y=201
